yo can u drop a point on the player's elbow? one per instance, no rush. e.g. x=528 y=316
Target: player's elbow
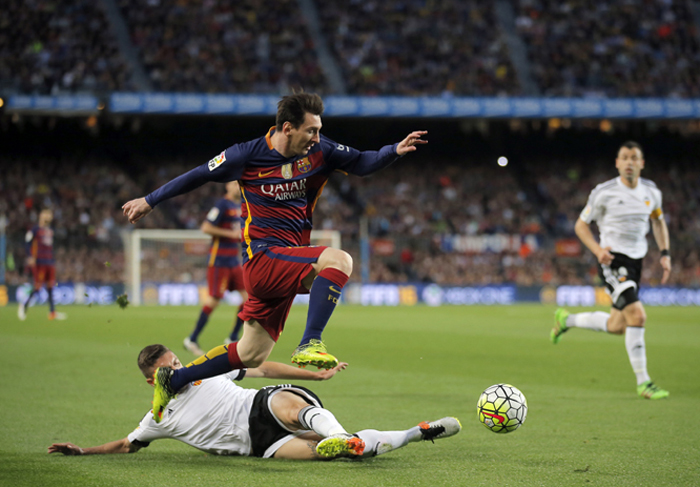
x=580 y=228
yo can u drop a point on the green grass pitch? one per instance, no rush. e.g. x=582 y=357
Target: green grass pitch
x=77 y=381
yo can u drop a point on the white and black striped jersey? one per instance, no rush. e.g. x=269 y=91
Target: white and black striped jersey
x=210 y=414
x=622 y=214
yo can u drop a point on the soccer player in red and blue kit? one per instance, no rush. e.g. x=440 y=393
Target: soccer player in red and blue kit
x=39 y=243
x=281 y=176
x=224 y=271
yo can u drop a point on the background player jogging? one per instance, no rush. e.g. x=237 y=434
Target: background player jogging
x=39 y=246
x=224 y=271
x=622 y=208
x=282 y=175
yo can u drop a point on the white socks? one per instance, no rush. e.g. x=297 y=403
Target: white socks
x=379 y=442
x=596 y=321
x=321 y=421
x=637 y=352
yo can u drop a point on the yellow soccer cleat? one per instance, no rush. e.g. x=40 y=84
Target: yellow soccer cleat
x=342 y=445
x=560 y=327
x=163 y=392
x=649 y=390
x=314 y=353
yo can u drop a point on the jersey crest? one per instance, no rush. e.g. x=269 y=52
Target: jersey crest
x=303 y=165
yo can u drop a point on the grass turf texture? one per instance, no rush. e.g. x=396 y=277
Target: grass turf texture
x=77 y=381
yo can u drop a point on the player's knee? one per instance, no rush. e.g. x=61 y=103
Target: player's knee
x=638 y=318
x=340 y=260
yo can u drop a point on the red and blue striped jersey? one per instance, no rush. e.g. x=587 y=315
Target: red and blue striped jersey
x=39 y=244
x=278 y=193
x=224 y=251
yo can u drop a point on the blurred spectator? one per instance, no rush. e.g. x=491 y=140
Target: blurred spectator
x=410 y=210
x=59 y=46
x=612 y=48
x=206 y=46
x=394 y=47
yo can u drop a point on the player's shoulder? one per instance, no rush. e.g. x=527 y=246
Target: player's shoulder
x=648 y=183
x=328 y=144
x=604 y=186
x=249 y=147
x=222 y=203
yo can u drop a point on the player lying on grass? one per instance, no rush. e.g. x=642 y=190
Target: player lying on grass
x=286 y=421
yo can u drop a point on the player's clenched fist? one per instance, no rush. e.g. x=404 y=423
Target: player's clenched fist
x=136 y=209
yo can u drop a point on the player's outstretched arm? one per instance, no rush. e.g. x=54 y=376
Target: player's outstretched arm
x=218 y=169
x=367 y=162
x=136 y=209
x=119 y=446
x=583 y=231
x=660 y=229
x=410 y=142
x=276 y=370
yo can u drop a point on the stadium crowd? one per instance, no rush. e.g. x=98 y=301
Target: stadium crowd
x=611 y=48
x=409 y=223
x=58 y=47
x=384 y=47
x=249 y=46
x=575 y=48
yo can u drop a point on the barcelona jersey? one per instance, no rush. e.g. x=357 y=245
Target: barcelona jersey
x=279 y=193
x=39 y=242
x=224 y=251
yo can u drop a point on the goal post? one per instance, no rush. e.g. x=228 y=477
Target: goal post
x=162 y=256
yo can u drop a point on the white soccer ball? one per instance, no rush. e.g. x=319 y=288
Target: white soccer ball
x=502 y=408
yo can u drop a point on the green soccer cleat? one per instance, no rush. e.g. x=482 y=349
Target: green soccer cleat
x=649 y=390
x=314 y=353
x=560 y=316
x=342 y=445
x=163 y=391
x=442 y=428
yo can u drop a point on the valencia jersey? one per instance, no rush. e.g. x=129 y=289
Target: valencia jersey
x=623 y=213
x=210 y=414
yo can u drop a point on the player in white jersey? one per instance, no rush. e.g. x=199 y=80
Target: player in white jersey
x=622 y=208
x=286 y=421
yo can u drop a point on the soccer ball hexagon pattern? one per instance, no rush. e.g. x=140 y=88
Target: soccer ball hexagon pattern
x=502 y=408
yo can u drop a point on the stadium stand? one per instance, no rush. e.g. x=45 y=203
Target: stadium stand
x=213 y=47
x=610 y=48
x=412 y=217
x=58 y=47
x=383 y=47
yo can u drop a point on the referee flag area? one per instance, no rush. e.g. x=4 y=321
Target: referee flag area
x=77 y=381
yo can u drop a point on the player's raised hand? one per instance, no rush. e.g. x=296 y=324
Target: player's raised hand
x=410 y=142
x=136 y=209
x=327 y=374
x=666 y=266
x=604 y=256
x=66 y=449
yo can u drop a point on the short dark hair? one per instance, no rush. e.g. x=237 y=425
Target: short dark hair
x=149 y=356
x=631 y=144
x=293 y=108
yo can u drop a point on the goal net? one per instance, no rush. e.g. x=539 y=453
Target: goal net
x=170 y=266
